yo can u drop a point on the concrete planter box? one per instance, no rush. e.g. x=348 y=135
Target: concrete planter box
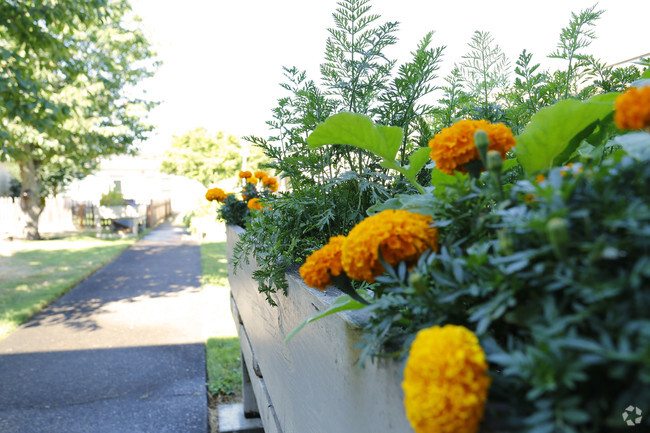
x=312 y=383
x=133 y=216
x=122 y=212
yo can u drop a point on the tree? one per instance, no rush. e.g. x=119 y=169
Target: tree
x=65 y=68
x=207 y=158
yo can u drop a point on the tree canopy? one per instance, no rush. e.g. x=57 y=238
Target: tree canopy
x=206 y=157
x=67 y=69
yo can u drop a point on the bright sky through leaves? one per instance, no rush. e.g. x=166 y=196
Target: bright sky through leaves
x=223 y=59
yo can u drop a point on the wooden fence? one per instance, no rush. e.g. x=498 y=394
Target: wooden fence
x=157 y=211
x=56 y=216
x=63 y=214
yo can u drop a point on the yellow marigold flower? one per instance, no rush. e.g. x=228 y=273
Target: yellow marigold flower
x=252 y=180
x=454 y=147
x=632 y=108
x=260 y=174
x=245 y=174
x=401 y=235
x=254 y=203
x=445 y=385
x=322 y=264
x=215 y=194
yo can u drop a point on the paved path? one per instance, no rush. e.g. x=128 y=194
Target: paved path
x=122 y=352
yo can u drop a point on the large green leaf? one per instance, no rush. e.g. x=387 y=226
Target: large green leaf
x=556 y=131
x=359 y=131
x=417 y=160
x=342 y=303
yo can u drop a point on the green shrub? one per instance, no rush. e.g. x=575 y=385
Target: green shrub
x=113 y=197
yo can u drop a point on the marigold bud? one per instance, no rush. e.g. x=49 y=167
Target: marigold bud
x=418 y=281
x=494 y=161
x=506 y=244
x=482 y=143
x=557 y=230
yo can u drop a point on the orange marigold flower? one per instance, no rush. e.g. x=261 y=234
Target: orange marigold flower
x=271 y=183
x=540 y=178
x=454 y=147
x=445 y=382
x=322 y=264
x=632 y=108
x=401 y=235
x=254 y=203
x=260 y=174
x=245 y=174
x=252 y=180
x=215 y=194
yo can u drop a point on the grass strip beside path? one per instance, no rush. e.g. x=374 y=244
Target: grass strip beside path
x=223 y=352
x=224 y=368
x=33 y=274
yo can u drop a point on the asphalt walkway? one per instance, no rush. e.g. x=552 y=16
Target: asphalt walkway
x=122 y=352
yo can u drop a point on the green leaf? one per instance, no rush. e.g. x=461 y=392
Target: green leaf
x=636 y=144
x=556 y=131
x=441 y=180
x=359 y=131
x=508 y=164
x=342 y=303
x=419 y=203
x=417 y=160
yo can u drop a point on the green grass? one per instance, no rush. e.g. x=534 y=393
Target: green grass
x=35 y=273
x=214 y=264
x=224 y=368
x=223 y=353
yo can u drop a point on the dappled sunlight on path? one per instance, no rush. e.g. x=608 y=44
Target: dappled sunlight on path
x=122 y=352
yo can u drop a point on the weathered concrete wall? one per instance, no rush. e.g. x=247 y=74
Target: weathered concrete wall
x=311 y=384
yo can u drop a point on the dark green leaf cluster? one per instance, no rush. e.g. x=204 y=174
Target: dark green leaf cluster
x=293 y=225
x=554 y=281
x=233 y=211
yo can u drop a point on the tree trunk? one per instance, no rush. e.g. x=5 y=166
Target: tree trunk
x=31 y=202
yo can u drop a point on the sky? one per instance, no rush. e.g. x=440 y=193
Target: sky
x=223 y=59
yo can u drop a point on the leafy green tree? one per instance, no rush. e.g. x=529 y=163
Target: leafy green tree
x=206 y=157
x=65 y=68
